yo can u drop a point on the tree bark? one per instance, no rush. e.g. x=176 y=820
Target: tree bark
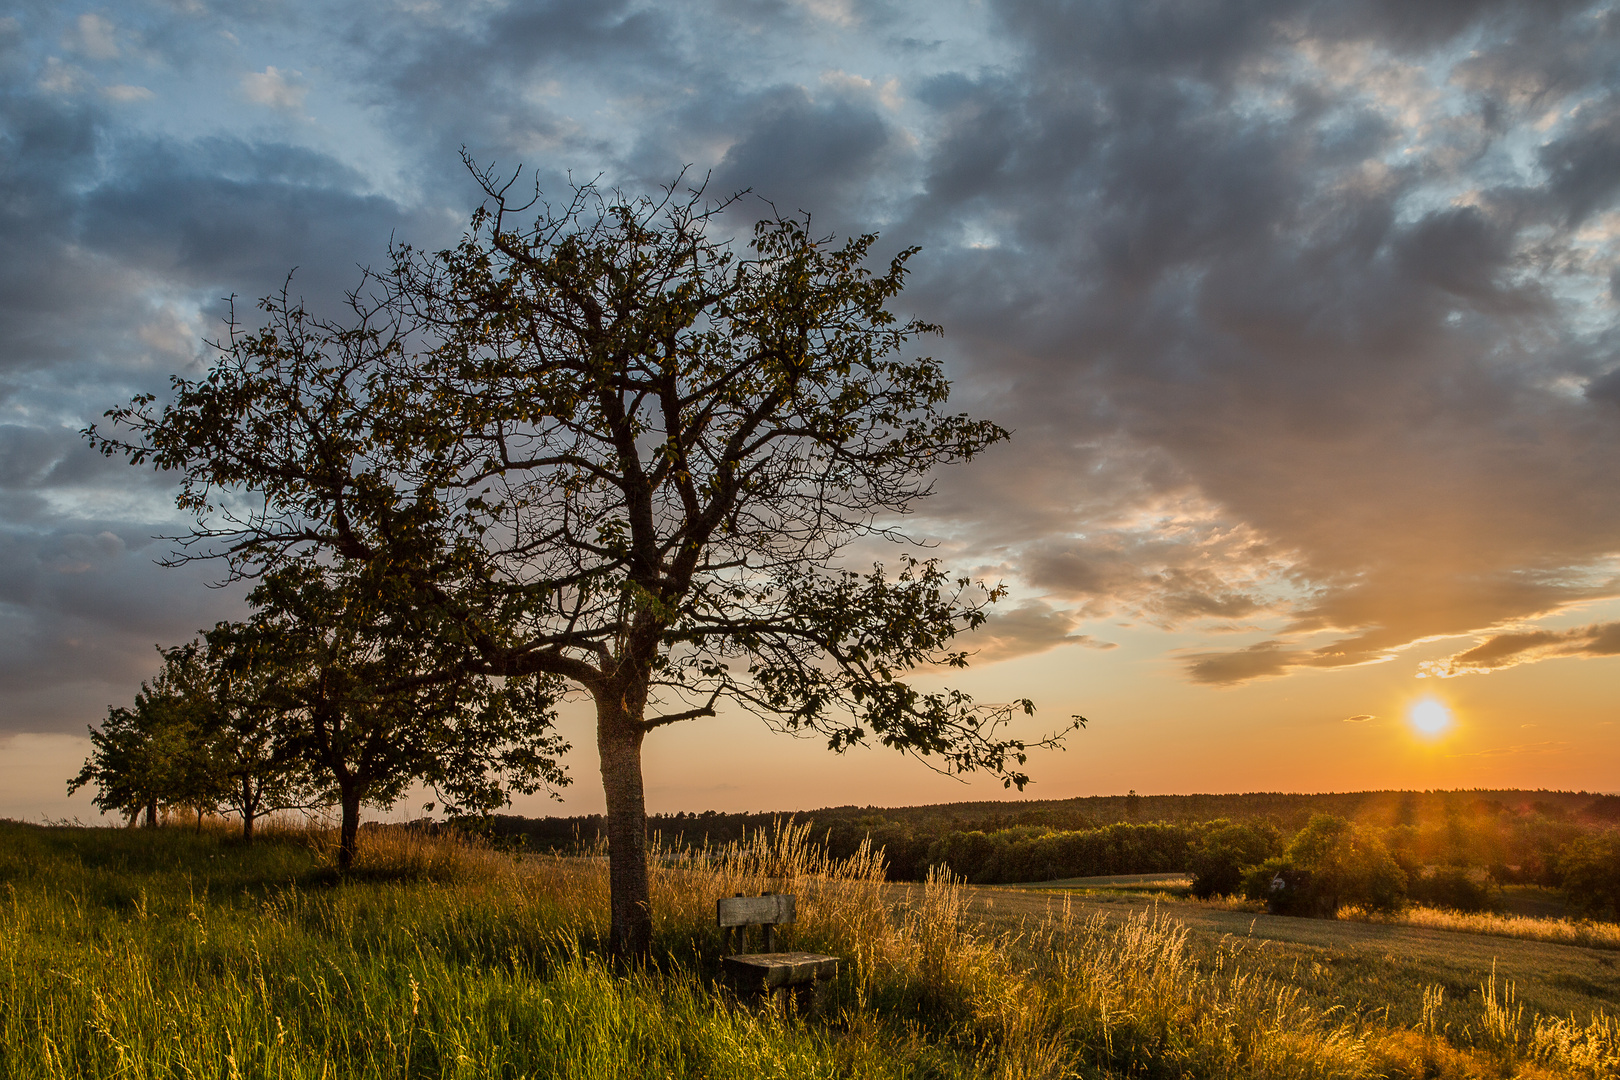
x=618 y=740
x=349 y=798
x=248 y=810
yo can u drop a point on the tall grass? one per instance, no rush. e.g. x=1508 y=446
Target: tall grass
x=1591 y=935
x=140 y=956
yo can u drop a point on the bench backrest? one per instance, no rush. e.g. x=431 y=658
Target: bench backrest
x=772 y=909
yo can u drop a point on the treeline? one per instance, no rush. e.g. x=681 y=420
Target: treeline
x=1515 y=835
x=1332 y=863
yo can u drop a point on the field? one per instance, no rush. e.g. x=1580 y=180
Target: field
x=181 y=954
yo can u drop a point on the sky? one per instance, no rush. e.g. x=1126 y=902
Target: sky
x=1303 y=315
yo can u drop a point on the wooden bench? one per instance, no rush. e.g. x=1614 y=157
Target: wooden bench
x=769 y=971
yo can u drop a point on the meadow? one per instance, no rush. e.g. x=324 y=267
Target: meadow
x=174 y=953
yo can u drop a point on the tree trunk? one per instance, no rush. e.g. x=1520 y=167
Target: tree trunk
x=618 y=740
x=249 y=808
x=151 y=813
x=349 y=798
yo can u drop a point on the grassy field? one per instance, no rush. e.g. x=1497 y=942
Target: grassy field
x=176 y=954
x=1364 y=966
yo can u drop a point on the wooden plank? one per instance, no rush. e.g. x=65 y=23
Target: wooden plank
x=772 y=910
x=772 y=970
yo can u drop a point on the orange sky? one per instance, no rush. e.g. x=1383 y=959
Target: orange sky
x=1554 y=724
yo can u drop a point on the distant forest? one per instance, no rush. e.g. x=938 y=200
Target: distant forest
x=1513 y=833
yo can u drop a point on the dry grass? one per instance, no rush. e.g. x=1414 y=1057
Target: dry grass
x=1591 y=935
x=445 y=958
x=1070 y=996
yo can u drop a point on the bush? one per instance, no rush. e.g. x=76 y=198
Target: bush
x=1220 y=860
x=1590 y=868
x=1330 y=864
x=1451 y=887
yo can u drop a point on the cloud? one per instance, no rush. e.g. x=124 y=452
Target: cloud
x=1271 y=265
x=276 y=89
x=127 y=94
x=1030 y=627
x=1359 y=718
x=1537 y=749
x=1227 y=668
x=1526 y=647
x=1304 y=315
x=93 y=36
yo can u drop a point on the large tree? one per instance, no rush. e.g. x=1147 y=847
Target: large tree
x=601 y=445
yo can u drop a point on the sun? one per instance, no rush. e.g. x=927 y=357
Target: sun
x=1429 y=718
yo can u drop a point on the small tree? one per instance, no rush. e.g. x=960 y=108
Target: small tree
x=603 y=449
x=1346 y=865
x=1221 y=858
x=155 y=755
x=1589 y=868
x=357 y=696
x=255 y=775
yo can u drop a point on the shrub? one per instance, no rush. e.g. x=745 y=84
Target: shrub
x=1590 y=868
x=1451 y=887
x=1219 y=861
x=1330 y=864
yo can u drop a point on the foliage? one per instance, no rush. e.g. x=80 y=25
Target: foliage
x=353 y=693
x=1032 y=853
x=1590 y=868
x=1348 y=865
x=1329 y=864
x=605 y=448
x=1451 y=887
x=157 y=755
x=1220 y=858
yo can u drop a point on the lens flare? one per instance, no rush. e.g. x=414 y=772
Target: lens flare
x=1429 y=718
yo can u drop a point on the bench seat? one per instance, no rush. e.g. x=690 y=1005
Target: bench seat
x=773 y=970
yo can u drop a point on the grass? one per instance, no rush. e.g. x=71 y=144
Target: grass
x=179 y=954
x=1588 y=935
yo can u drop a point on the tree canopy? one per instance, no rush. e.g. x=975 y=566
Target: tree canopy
x=601 y=448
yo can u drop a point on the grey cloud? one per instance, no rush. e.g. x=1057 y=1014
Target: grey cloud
x=80 y=611
x=1605 y=387
x=1511 y=649
x=1464 y=253
x=803 y=154
x=1584 y=167
x=1030 y=627
x=222 y=211
x=1273 y=351
x=1267 y=658
x=1249 y=295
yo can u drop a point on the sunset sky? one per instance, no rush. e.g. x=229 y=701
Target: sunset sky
x=1304 y=316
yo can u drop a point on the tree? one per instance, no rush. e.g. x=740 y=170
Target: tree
x=1345 y=864
x=603 y=448
x=1589 y=867
x=255 y=775
x=155 y=754
x=1221 y=858
x=354 y=694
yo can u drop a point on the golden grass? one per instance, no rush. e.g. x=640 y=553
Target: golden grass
x=1592 y=935
x=445 y=958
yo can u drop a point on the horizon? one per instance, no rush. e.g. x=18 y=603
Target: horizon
x=1304 y=317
